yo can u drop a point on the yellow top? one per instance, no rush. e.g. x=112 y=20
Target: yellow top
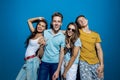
x=88 y=51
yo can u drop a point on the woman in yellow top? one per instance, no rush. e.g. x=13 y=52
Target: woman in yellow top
x=91 y=56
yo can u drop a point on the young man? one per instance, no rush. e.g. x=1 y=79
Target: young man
x=53 y=50
x=91 y=56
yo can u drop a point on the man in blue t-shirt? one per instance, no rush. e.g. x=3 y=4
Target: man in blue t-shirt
x=53 y=50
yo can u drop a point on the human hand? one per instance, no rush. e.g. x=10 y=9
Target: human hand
x=68 y=44
x=55 y=75
x=64 y=76
x=42 y=42
x=41 y=18
x=100 y=71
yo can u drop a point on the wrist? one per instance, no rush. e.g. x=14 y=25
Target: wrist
x=40 y=18
x=102 y=65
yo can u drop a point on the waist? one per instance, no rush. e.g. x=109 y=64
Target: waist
x=90 y=60
x=29 y=57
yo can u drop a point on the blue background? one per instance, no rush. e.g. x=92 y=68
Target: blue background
x=103 y=16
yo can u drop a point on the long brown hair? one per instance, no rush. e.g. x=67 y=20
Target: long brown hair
x=32 y=35
x=74 y=37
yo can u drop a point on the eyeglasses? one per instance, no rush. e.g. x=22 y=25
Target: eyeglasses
x=73 y=30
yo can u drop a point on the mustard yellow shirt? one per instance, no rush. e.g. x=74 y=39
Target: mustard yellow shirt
x=88 y=51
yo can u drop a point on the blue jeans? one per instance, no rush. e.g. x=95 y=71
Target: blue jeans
x=29 y=69
x=47 y=70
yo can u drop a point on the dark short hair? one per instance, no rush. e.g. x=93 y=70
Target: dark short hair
x=76 y=21
x=57 y=14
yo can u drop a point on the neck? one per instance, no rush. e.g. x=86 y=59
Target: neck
x=55 y=32
x=86 y=29
x=39 y=34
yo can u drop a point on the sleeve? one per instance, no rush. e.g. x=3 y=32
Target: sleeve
x=45 y=34
x=98 y=39
x=78 y=42
x=63 y=41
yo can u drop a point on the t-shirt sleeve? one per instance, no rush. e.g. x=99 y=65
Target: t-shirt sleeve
x=78 y=42
x=63 y=41
x=98 y=39
x=44 y=33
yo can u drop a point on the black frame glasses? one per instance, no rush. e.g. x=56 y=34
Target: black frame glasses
x=73 y=30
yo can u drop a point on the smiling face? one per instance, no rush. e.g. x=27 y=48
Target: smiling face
x=56 y=23
x=82 y=21
x=41 y=27
x=70 y=30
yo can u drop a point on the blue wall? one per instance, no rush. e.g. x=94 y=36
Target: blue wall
x=103 y=16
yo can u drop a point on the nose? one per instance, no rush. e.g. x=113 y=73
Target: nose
x=39 y=27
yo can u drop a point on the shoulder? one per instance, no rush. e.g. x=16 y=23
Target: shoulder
x=77 y=42
x=61 y=33
x=46 y=31
x=95 y=33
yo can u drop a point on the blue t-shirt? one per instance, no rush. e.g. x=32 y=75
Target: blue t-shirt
x=54 y=42
x=67 y=56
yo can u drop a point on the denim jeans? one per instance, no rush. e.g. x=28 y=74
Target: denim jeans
x=29 y=71
x=47 y=70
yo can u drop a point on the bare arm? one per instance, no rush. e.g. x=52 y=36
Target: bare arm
x=100 y=53
x=61 y=58
x=100 y=56
x=31 y=20
x=56 y=74
x=75 y=53
x=40 y=51
x=42 y=43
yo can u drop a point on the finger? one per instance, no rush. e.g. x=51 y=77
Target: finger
x=67 y=46
x=100 y=75
x=40 y=40
x=97 y=70
x=53 y=77
x=63 y=77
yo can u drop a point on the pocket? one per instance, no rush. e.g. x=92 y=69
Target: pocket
x=29 y=65
x=24 y=66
